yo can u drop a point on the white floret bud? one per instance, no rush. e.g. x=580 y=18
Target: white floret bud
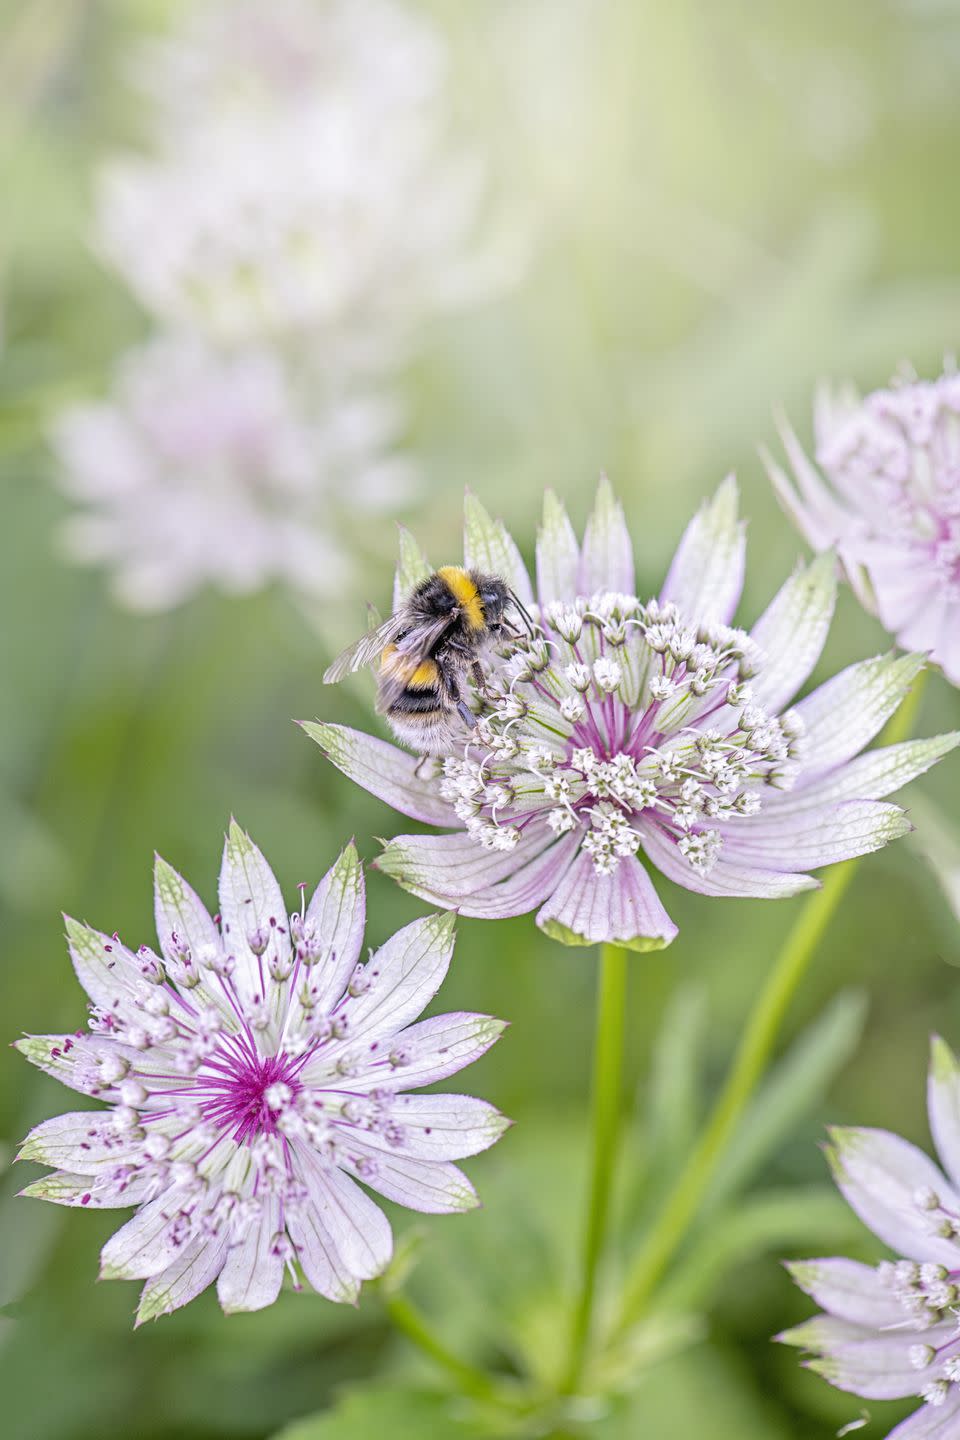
x=935 y=1393
x=578 y=676
x=278 y=1095
x=681 y=644
x=359 y=981
x=926 y=1199
x=560 y=821
x=921 y=1356
x=607 y=673
x=511 y=707
x=157 y=1145
x=132 y=1093
x=572 y=708
x=567 y=623
x=112 y=1068
x=662 y=687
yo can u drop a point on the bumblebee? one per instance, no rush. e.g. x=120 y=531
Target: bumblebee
x=437 y=636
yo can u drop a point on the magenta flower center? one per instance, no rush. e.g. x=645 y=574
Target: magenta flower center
x=244 y=1093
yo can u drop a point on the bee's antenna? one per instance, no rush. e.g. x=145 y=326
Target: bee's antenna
x=524 y=612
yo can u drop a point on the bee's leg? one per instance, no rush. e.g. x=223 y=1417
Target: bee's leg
x=419 y=765
x=451 y=683
x=478 y=677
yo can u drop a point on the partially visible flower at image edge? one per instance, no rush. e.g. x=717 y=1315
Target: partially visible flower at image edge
x=657 y=728
x=254 y=1071
x=889 y=504
x=892 y=1330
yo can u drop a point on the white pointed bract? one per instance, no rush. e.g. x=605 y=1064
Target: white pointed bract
x=625 y=728
x=892 y=1330
x=889 y=505
x=254 y=1070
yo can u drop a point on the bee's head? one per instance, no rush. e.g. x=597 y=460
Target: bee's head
x=494 y=597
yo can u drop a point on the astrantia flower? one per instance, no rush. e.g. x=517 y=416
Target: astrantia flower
x=206 y=468
x=331 y=202
x=253 y=1071
x=628 y=728
x=890 y=505
x=226 y=59
x=893 y=1329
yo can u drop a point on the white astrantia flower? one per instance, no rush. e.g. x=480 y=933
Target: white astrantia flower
x=230 y=59
x=892 y=1330
x=627 y=728
x=889 y=505
x=309 y=188
x=210 y=468
x=253 y=1071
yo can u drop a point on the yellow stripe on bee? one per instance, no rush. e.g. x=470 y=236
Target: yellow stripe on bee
x=420 y=675
x=425 y=675
x=460 y=585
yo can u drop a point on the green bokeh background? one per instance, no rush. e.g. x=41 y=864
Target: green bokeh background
x=730 y=200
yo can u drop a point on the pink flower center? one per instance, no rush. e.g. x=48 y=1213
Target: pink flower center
x=247 y=1091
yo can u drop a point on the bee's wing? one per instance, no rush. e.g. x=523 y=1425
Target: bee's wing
x=397 y=670
x=364 y=650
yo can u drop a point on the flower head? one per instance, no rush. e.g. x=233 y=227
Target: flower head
x=308 y=183
x=890 y=505
x=625 y=728
x=253 y=1071
x=893 y=1330
x=206 y=468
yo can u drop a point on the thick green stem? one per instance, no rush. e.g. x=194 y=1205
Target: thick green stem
x=468 y=1378
x=749 y=1064
x=607 y=1097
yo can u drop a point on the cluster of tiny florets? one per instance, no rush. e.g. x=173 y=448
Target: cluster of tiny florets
x=615 y=710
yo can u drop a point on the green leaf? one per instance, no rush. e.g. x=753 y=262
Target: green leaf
x=673 y=1102
x=938 y=841
x=703 y=1392
x=792 y=1090
x=396 y=1411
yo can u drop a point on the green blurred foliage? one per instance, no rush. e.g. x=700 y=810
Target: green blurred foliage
x=730 y=200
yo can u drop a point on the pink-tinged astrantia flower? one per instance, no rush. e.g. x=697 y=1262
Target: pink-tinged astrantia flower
x=893 y=1330
x=889 y=505
x=254 y=1071
x=204 y=468
x=658 y=729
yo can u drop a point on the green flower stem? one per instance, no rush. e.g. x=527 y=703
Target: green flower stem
x=469 y=1379
x=749 y=1064
x=607 y=1096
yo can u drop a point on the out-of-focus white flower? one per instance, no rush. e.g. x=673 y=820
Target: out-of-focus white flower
x=232 y=59
x=205 y=468
x=316 y=190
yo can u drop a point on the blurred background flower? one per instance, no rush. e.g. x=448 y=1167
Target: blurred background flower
x=299 y=217
x=727 y=203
